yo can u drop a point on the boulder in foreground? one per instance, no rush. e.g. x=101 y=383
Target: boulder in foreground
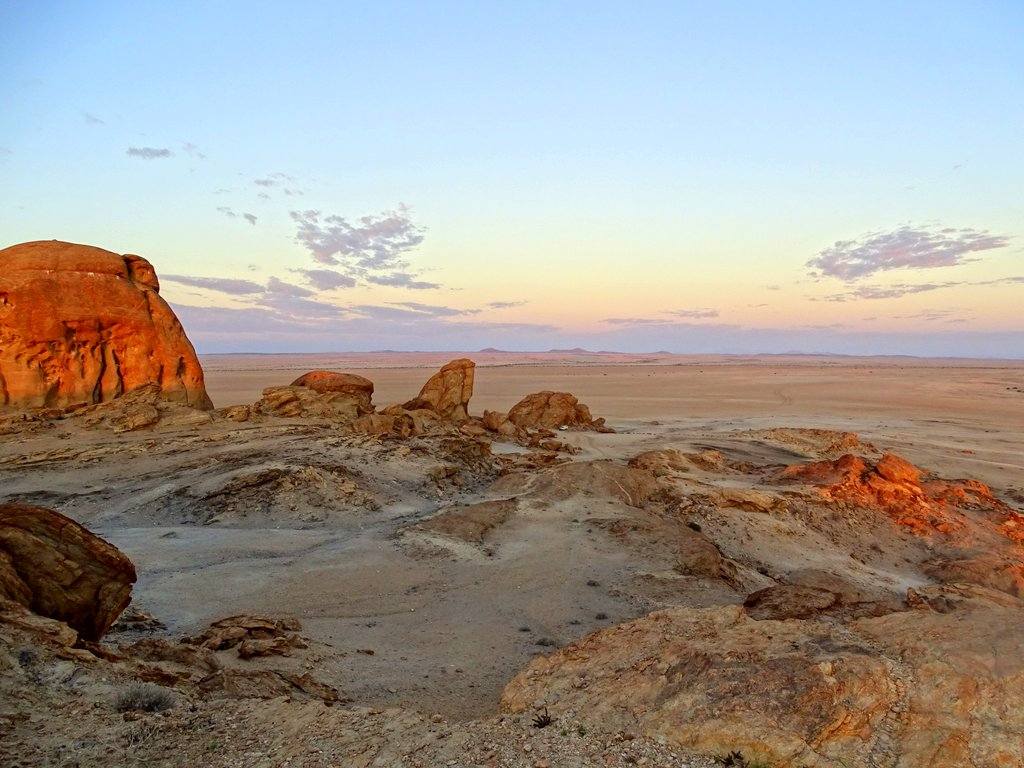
x=56 y=568
x=915 y=688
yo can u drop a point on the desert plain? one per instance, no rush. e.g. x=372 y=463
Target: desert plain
x=435 y=581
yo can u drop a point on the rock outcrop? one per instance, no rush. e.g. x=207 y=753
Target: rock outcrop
x=303 y=402
x=902 y=490
x=551 y=410
x=358 y=388
x=917 y=688
x=79 y=324
x=448 y=391
x=56 y=568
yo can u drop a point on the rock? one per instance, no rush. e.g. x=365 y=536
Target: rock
x=323 y=382
x=495 y=421
x=448 y=391
x=790 y=601
x=252 y=635
x=304 y=402
x=551 y=410
x=897 y=487
x=56 y=568
x=918 y=688
x=266 y=684
x=79 y=324
x=472 y=522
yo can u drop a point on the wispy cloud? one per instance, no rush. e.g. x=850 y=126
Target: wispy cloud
x=402 y=280
x=896 y=290
x=227 y=285
x=91 y=119
x=280 y=287
x=231 y=214
x=907 y=247
x=694 y=313
x=505 y=304
x=149 y=153
x=192 y=151
x=326 y=279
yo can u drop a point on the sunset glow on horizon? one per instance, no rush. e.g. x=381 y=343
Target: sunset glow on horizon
x=674 y=177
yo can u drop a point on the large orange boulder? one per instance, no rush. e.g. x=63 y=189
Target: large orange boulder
x=331 y=381
x=551 y=410
x=79 y=324
x=448 y=391
x=58 y=569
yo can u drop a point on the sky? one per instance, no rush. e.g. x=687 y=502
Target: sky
x=690 y=177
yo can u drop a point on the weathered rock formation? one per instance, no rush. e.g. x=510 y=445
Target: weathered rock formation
x=448 y=391
x=902 y=490
x=357 y=387
x=79 y=324
x=917 y=688
x=56 y=568
x=302 y=401
x=551 y=410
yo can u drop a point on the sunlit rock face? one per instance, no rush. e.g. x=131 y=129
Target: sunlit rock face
x=79 y=324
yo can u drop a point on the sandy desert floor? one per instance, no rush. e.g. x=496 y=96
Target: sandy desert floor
x=436 y=625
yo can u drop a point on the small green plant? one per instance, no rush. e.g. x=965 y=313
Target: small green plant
x=143 y=697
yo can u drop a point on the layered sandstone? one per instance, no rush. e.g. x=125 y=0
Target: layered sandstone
x=56 y=568
x=79 y=324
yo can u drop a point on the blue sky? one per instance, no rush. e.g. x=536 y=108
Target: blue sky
x=641 y=176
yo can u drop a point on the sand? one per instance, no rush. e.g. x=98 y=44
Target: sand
x=450 y=623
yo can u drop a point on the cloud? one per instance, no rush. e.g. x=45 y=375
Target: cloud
x=694 y=313
x=264 y=182
x=149 y=153
x=433 y=309
x=227 y=285
x=402 y=280
x=192 y=151
x=889 y=291
x=372 y=243
x=91 y=119
x=327 y=279
x=897 y=290
x=505 y=304
x=941 y=314
x=636 y=321
x=231 y=214
x=280 y=287
x=904 y=248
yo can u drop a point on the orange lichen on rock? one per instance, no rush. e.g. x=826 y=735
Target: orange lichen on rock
x=896 y=486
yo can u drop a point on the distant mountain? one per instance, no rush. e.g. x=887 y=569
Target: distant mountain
x=573 y=351
x=493 y=349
